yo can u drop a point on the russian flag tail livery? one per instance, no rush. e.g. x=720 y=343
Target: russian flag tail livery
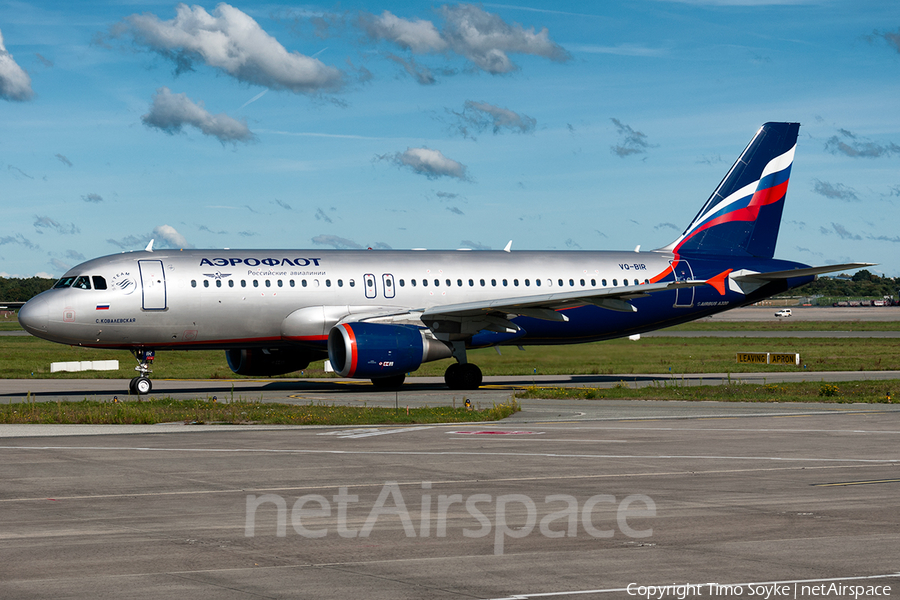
x=743 y=215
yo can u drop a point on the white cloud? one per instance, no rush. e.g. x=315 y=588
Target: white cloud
x=232 y=41
x=428 y=162
x=336 y=242
x=171 y=237
x=170 y=112
x=481 y=37
x=481 y=116
x=486 y=39
x=15 y=84
x=417 y=35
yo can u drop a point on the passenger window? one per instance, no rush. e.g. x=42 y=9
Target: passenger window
x=581 y=282
x=412 y=282
x=206 y=283
x=603 y=281
x=303 y=282
x=571 y=283
x=193 y=283
x=243 y=283
x=402 y=283
x=516 y=282
x=537 y=282
x=560 y=283
x=280 y=284
x=424 y=283
x=218 y=283
x=327 y=283
x=504 y=283
x=268 y=283
x=615 y=282
x=593 y=283
x=481 y=281
x=341 y=282
x=99 y=282
x=527 y=282
x=494 y=282
x=256 y=283
x=82 y=283
x=636 y=282
x=437 y=283
x=292 y=283
x=352 y=283
x=370 y=282
x=449 y=284
x=231 y=283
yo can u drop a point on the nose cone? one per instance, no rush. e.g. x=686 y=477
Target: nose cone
x=34 y=316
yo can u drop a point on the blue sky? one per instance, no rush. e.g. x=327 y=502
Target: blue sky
x=583 y=125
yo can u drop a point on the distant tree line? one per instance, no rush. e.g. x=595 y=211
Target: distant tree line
x=13 y=289
x=863 y=284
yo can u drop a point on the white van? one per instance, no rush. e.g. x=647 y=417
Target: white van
x=784 y=312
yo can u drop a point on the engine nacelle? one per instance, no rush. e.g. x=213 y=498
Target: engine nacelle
x=373 y=350
x=262 y=362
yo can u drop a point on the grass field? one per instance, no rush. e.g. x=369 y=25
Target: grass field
x=29 y=357
x=168 y=410
x=808 y=391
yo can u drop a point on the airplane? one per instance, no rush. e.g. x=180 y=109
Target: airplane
x=381 y=314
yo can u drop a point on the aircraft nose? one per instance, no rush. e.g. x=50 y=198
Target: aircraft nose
x=34 y=316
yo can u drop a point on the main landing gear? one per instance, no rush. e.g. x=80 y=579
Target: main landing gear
x=463 y=376
x=141 y=384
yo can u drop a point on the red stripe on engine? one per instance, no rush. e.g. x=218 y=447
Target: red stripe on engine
x=353 y=352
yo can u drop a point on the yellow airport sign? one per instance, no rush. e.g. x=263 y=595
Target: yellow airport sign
x=768 y=358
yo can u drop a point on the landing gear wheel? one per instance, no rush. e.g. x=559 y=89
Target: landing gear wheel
x=389 y=383
x=463 y=377
x=131 y=389
x=142 y=385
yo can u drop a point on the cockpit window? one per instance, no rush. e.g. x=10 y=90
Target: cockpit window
x=83 y=282
x=64 y=282
x=99 y=282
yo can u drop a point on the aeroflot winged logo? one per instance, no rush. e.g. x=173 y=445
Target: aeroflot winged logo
x=255 y=262
x=744 y=205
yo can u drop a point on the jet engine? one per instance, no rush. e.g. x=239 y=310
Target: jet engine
x=377 y=350
x=262 y=362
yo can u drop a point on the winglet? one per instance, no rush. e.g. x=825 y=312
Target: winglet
x=718 y=281
x=149 y=247
x=508 y=246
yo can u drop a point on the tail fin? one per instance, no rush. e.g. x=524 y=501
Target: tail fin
x=743 y=215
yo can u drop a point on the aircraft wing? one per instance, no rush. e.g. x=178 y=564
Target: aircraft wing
x=545 y=306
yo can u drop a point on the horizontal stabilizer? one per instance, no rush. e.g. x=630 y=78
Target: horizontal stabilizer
x=778 y=275
x=745 y=281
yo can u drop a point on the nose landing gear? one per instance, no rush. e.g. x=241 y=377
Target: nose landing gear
x=141 y=384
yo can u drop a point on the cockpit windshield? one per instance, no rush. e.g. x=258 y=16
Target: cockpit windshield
x=81 y=282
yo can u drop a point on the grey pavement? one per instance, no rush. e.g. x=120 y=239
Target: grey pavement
x=657 y=493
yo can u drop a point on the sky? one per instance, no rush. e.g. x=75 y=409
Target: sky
x=578 y=125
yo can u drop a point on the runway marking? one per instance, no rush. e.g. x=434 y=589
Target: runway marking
x=380 y=484
x=734 y=585
x=361 y=433
x=456 y=453
x=497 y=432
x=873 y=481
